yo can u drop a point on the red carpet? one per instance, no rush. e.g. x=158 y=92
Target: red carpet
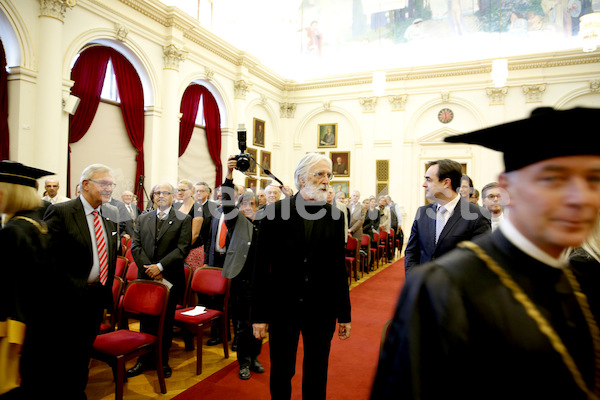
x=352 y=362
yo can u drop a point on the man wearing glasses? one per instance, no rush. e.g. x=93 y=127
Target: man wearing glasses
x=83 y=244
x=301 y=283
x=161 y=242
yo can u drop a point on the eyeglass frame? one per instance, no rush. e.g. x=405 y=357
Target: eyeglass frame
x=164 y=193
x=104 y=184
x=322 y=174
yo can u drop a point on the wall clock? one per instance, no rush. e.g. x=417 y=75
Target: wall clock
x=445 y=115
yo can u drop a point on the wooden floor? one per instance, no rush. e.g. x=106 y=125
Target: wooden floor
x=145 y=386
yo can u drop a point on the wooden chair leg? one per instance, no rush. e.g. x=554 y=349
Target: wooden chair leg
x=119 y=379
x=224 y=333
x=199 y=334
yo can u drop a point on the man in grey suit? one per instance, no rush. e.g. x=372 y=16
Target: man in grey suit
x=161 y=242
x=447 y=220
x=357 y=216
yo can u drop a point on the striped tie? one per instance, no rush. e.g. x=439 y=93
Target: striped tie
x=101 y=245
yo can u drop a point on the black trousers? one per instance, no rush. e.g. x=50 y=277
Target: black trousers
x=248 y=346
x=284 y=333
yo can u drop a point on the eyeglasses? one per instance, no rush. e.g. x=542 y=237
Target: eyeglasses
x=105 y=185
x=165 y=193
x=493 y=196
x=322 y=174
x=182 y=190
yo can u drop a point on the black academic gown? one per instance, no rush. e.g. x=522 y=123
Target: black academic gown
x=458 y=332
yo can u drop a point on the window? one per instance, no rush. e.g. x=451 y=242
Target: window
x=109 y=90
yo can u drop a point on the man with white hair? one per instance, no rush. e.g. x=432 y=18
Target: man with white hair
x=273 y=193
x=301 y=283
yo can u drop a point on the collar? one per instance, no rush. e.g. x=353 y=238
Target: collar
x=87 y=207
x=451 y=205
x=167 y=211
x=527 y=247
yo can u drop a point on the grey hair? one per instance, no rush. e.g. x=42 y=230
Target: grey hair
x=208 y=188
x=90 y=170
x=247 y=196
x=306 y=163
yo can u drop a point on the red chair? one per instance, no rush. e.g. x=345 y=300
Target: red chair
x=383 y=245
x=352 y=258
x=132 y=272
x=392 y=245
x=129 y=256
x=109 y=324
x=142 y=297
x=375 y=250
x=210 y=282
x=121 y=269
x=123 y=245
x=365 y=246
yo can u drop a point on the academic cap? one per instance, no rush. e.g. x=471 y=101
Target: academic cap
x=19 y=174
x=546 y=134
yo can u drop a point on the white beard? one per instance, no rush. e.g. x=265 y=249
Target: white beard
x=314 y=192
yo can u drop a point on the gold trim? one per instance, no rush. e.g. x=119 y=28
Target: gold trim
x=40 y=226
x=18 y=176
x=543 y=324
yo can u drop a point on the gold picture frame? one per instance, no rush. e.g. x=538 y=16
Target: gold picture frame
x=327 y=135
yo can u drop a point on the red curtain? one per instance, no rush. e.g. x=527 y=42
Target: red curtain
x=4 y=135
x=190 y=103
x=212 y=119
x=132 y=107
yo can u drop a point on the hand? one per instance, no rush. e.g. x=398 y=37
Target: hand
x=260 y=330
x=152 y=271
x=344 y=330
x=231 y=164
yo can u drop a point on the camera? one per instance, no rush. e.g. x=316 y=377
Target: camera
x=242 y=159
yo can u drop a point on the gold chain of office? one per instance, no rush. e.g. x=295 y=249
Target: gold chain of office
x=544 y=325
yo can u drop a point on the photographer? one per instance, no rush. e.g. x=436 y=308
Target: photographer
x=242 y=233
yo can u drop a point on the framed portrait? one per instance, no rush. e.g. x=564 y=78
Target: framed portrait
x=327 y=136
x=258 y=135
x=251 y=183
x=254 y=154
x=265 y=182
x=341 y=163
x=341 y=186
x=265 y=161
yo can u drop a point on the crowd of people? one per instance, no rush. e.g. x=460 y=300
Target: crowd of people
x=501 y=300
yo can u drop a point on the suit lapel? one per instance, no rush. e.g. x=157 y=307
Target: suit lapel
x=166 y=224
x=81 y=221
x=451 y=221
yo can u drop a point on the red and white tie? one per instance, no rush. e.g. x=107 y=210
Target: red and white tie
x=101 y=245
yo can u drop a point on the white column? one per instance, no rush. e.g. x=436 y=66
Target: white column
x=49 y=133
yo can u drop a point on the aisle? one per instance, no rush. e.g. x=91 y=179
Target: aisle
x=352 y=363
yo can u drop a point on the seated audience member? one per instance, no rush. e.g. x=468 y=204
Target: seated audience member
x=492 y=201
x=385 y=217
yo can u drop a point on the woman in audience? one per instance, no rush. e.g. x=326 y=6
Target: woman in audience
x=26 y=285
x=466 y=187
x=188 y=206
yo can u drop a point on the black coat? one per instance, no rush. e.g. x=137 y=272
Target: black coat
x=293 y=273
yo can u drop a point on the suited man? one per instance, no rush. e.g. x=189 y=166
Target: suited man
x=209 y=208
x=84 y=245
x=340 y=167
x=447 y=220
x=357 y=216
x=125 y=219
x=161 y=241
x=301 y=283
x=132 y=209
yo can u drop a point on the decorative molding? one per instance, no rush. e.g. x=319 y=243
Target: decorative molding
x=263 y=99
x=172 y=56
x=209 y=73
x=445 y=96
x=56 y=8
x=241 y=89
x=398 y=102
x=496 y=95
x=287 y=110
x=327 y=105
x=121 y=32
x=533 y=93
x=368 y=104
x=595 y=86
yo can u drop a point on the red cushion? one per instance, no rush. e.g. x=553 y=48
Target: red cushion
x=122 y=342
x=350 y=259
x=208 y=316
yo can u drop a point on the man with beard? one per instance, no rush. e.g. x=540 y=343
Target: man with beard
x=301 y=283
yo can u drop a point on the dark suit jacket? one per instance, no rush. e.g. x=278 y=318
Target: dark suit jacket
x=465 y=223
x=71 y=247
x=357 y=218
x=208 y=209
x=209 y=241
x=125 y=220
x=293 y=272
x=170 y=246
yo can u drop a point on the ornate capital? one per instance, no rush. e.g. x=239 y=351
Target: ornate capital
x=121 y=32
x=595 y=86
x=56 y=8
x=398 y=102
x=240 y=89
x=287 y=110
x=533 y=93
x=496 y=95
x=173 y=56
x=368 y=104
